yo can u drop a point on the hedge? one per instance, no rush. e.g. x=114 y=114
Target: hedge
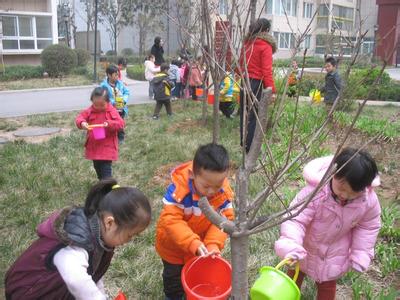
x=136 y=72
x=19 y=72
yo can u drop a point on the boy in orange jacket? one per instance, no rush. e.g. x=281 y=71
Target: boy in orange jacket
x=183 y=231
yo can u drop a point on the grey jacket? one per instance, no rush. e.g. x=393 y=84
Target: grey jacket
x=333 y=85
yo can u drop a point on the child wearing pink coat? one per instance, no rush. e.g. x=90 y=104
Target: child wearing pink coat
x=337 y=231
x=103 y=151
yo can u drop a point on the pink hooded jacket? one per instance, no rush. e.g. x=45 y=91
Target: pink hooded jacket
x=327 y=238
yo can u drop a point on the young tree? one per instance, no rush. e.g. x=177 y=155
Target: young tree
x=88 y=17
x=116 y=14
x=273 y=158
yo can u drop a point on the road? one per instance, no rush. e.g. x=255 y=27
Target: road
x=39 y=101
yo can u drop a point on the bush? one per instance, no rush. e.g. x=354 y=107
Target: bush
x=83 y=57
x=18 y=72
x=136 y=72
x=111 y=52
x=127 y=52
x=81 y=70
x=58 y=60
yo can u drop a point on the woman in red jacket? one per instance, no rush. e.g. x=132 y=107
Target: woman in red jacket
x=258 y=48
x=102 y=150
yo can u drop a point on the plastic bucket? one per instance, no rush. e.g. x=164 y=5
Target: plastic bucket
x=273 y=284
x=207 y=278
x=121 y=296
x=199 y=92
x=99 y=133
x=315 y=96
x=210 y=99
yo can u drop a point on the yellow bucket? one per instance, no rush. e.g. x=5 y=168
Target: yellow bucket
x=315 y=96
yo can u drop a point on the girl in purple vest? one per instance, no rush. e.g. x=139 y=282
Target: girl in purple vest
x=75 y=246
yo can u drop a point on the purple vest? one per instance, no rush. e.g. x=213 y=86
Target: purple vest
x=33 y=275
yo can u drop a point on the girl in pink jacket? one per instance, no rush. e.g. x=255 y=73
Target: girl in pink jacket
x=337 y=231
x=101 y=151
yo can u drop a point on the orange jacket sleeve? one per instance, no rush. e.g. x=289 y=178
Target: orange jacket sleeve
x=173 y=221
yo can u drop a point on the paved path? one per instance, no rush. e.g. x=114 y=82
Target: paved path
x=31 y=102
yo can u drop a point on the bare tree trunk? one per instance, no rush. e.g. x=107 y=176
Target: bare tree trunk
x=253 y=8
x=115 y=39
x=216 y=127
x=87 y=36
x=239 y=255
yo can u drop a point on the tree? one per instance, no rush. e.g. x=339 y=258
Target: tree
x=273 y=158
x=88 y=17
x=145 y=16
x=116 y=15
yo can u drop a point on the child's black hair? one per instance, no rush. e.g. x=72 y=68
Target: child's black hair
x=260 y=25
x=331 y=60
x=164 y=67
x=358 y=169
x=211 y=157
x=122 y=61
x=111 y=69
x=100 y=92
x=129 y=206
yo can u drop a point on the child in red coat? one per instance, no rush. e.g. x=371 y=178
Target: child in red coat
x=101 y=113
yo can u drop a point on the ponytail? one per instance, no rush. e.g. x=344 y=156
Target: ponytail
x=261 y=25
x=97 y=194
x=129 y=206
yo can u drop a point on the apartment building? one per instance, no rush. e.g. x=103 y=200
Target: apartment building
x=26 y=28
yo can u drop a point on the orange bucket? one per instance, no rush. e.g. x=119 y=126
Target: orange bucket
x=206 y=278
x=210 y=99
x=199 y=92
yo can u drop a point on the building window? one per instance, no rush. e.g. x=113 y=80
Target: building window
x=26 y=32
x=278 y=7
x=223 y=7
x=307 y=10
x=306 y=44
x=285 y=40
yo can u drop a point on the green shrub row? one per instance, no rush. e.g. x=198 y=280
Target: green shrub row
x=136 y=72
x=318 y=62
x=19 y=72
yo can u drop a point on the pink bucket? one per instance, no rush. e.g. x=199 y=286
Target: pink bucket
x=99 y=133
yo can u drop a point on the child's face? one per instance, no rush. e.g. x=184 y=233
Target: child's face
x=343 y=190
x=99 y=103
x=113 y=236
x=329 y=67
x=113 y=77
x=208 y=183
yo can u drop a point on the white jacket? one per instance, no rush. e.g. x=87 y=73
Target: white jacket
x=150 y=70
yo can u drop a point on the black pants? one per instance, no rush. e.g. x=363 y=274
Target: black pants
x=121 y=132
x=159 y=104
x=173 y=289
x=252 y=110
x=227 y=108
x=103 y=168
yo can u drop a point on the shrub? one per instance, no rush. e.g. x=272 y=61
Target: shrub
x=58 y=60
x=111 y=52
x=18 y=72
x=127 y=52
x=136 y=72
x=81 y=70
x=83 y=57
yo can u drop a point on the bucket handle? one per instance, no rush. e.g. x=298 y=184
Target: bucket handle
x=285 y=262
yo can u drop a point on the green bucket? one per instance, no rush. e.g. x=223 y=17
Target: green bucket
x=273 y=284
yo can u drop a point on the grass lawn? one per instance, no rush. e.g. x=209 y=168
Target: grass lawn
x=36 y=179
x=37 y=83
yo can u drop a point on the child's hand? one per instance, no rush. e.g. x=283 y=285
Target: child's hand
x=202 y=251
x=291 y=262
x=213 y=253
x=85 y=125
x=105 y=124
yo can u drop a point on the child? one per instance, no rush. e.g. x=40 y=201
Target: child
x=337 y=231
x=149 y=72
x=162 y=91
x=228 y=90
x=121 y=66
x=182 y=230
x=103 y=151
x=174 y=76
x=294 y=77
x=333 y=83
x=195 y=77
x=76 y=245
x=118 y=94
